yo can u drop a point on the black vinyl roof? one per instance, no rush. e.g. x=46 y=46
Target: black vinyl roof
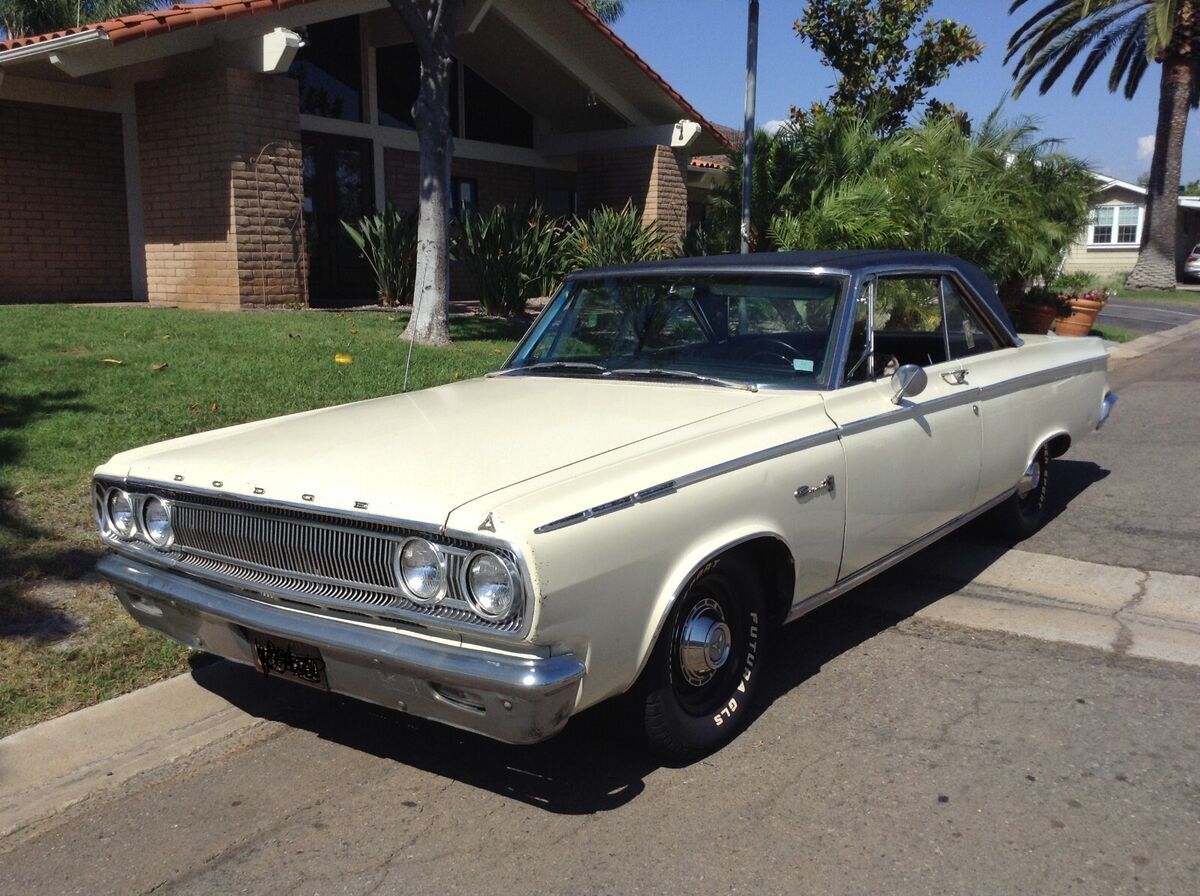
x=850 y=260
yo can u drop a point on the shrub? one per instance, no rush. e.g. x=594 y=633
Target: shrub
x=1074 y=283
x=611 y=237
x=388 y=241
x=513 y=254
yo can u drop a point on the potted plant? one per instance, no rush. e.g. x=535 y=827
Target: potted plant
x=1038 y=310
x=1080 y=314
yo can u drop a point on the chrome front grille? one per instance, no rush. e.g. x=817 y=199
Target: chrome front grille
x=313 y=559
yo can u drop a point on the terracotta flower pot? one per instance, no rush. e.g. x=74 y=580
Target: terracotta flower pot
x=1082 y=317
x=1036 y=318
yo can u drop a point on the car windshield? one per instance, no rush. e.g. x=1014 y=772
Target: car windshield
x=719 y=329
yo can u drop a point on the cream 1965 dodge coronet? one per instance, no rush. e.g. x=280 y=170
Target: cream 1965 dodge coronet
x=677 y=458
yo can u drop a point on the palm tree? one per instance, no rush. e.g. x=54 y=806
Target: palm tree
x=1135 y=33
x=22 y=18
x=607 y=10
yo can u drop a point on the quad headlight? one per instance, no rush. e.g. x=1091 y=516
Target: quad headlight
x=119 y=515
x=421 y=568
x=492 y=585
x=156 y=522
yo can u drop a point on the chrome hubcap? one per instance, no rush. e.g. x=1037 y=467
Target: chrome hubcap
x=1030 y=480
x=704 y=642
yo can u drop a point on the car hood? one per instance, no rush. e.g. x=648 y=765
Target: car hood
x=418 y=456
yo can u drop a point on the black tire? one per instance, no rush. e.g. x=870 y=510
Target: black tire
x=685 y=713
x=1024 y=514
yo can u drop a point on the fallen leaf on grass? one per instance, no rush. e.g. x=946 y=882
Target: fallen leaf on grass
x=343 y=358
x=456 y=374
x=354 y=332
x=166 y=336
x=215 y=407
x=194 y=408
x=157 y=367
x=112 y=361
x=19 y=492
x=497 y=351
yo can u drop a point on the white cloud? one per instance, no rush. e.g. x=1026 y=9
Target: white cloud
x=773 y=126
x=1145 y=150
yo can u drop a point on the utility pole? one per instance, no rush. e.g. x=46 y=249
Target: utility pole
x=748 y=138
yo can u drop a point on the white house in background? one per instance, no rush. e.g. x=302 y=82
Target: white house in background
x=1109 y=244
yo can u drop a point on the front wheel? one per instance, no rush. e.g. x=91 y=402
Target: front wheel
x=1024 y=513
x=696 y=690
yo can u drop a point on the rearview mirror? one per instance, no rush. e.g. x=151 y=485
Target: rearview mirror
x=908 y=381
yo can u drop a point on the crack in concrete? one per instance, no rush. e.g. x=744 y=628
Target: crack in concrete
x=1124 y=639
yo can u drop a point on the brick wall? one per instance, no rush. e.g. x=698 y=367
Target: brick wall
x=654 y=178
x=64 y=235
x=268 y=188
x=221 y=190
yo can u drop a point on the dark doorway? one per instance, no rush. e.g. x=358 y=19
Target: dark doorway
x=337 y=187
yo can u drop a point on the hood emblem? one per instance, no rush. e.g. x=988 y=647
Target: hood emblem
x=487 y=525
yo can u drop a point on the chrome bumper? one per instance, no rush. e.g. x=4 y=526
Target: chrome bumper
x=1106 y=407
x=513 y=699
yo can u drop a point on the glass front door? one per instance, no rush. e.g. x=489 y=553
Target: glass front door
x=337 y=187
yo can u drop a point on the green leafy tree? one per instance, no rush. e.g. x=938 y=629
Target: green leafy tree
x=1191 y=188
x=1001 y=198
x=887 y=56
x=23 y=18
x=1136 y=34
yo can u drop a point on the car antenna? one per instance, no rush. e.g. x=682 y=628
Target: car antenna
x=411 y=340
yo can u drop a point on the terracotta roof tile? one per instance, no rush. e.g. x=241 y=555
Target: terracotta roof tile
x=162 y=21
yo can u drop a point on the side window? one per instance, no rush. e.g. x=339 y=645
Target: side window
x=967 y=333
x=908 y=323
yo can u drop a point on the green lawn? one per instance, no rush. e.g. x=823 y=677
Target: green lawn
x=65 y=407
x=1113 y=334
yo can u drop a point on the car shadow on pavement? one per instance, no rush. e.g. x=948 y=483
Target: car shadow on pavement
x=595 y=764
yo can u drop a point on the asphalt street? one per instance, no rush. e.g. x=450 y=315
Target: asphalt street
x=1146 y=317
x=892 y=754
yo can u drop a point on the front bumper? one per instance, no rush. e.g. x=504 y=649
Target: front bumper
x=514 y=699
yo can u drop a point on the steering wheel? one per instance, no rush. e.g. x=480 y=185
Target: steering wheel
x=766 y=353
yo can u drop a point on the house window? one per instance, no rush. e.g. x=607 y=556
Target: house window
x=329 y=69
x=1115 y=225
x=561 y=203
x=398 y=75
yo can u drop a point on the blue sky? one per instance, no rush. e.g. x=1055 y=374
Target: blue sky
x=699 y=47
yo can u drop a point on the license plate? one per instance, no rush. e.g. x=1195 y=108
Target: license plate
x=287 y=659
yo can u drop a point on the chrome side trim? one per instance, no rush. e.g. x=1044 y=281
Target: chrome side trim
x=855 y=579
x=673 y=485
x=1041 y=377
x=1106 y=407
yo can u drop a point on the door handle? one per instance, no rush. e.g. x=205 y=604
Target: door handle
x=956 y=377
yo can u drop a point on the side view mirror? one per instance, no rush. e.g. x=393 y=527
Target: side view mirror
x=908 y=381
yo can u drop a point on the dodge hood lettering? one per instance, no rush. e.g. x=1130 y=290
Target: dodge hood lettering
x=419 y=456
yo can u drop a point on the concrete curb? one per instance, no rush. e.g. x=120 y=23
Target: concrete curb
x=46 y=768
x=1143 y=345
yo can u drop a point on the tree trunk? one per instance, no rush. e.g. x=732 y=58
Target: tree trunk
x=432 y=25
x=1155 y=268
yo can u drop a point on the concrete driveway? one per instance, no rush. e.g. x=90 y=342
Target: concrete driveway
x=1146 y=317
x=895 y=753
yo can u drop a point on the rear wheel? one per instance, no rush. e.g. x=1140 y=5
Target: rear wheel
x=1024 y=513
x=696 y=690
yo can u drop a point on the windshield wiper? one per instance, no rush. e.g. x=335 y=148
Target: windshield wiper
x=664 y=373
x=585 y=366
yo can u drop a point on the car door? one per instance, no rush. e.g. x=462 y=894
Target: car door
x=912 y=464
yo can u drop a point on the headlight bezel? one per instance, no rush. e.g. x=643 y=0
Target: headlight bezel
x=110 y=524
x=442 y=568
x=516 y=605
x=144 y=525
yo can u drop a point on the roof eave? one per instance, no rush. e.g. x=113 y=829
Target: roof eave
x=43 y=48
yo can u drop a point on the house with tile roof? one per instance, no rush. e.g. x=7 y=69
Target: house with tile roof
x=205 y=155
